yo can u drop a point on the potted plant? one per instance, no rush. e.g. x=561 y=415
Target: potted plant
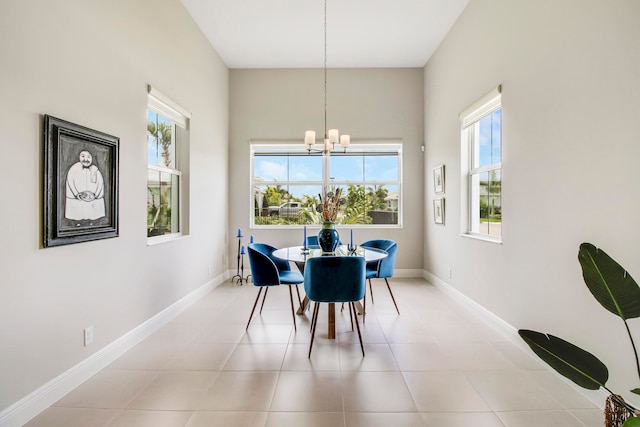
x=614 y=288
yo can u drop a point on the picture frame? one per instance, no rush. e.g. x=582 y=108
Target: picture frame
x=438 y=179
x=80 y=183
x=438 y=210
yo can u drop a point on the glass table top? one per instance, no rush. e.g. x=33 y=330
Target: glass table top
x=296 y=253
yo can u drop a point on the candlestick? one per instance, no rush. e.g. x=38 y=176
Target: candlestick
x=351 y=247
x=239 y=233
x=251 y=239
x=304 y=239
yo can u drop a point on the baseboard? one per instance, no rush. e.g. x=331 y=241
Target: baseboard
x=496 y=322
x=407 y=273
x=509 y=332
x=31 y=405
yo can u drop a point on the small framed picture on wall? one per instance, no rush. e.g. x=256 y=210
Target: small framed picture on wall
x=438 y=179
x=438 y=210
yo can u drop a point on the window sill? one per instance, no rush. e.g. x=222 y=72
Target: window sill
x=483 y=237
x=152 y=241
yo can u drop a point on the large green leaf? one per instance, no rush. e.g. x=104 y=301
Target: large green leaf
x=632 y=422
x=609 y=283
x=580 y=366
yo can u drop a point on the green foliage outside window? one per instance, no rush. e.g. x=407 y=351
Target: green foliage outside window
x=359 y=202
x=490 y=196
x=160 y=184
x=158 y=211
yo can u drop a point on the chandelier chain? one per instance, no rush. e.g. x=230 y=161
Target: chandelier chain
x=331 y=136
x=325 y=69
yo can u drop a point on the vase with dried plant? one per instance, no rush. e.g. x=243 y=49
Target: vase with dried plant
x=328 y=237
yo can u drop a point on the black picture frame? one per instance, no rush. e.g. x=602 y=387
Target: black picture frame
x=80 y=190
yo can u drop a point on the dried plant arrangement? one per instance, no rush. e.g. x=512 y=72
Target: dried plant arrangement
x=329 y=204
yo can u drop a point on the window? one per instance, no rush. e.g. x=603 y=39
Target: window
x=167 y=158
x=286 y=183
x=482 y=162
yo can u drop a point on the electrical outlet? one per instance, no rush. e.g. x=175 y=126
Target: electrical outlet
x=88 y=336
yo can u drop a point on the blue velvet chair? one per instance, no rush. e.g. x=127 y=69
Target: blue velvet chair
x=267 y=270
x=334 y=279
x=381 y=269
x=312 y=242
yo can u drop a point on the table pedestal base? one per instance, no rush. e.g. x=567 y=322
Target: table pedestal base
x=331 y=332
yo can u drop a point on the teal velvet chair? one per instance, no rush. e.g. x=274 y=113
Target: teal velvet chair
x=267 y=270
x=382 y=269
x=312 y=242
x=334 y=279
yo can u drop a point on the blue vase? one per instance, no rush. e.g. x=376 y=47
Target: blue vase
x=328 y=237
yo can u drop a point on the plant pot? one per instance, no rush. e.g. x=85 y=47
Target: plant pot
x=328 y=237
x=615 y=412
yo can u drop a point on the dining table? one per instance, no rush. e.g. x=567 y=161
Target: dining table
x=299 y=255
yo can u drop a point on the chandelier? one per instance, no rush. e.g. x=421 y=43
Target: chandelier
x=331 y=136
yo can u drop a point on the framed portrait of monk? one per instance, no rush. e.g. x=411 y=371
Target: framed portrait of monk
x=80 y=183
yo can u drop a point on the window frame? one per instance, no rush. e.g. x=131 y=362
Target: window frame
x=470 y=118
x=325 y=177
x=180 y=122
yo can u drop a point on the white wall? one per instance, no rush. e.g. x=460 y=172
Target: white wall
x=571 y=120
x=366 y=103
x=89 y=62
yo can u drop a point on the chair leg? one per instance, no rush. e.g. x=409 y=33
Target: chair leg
x=298 y=292
x=364 y=304
x=293 y=310
x=264 y=298
x=358 y=327
x=392 y=298
x=314 y=323
x=254 y=308
x=350 y=315
x=371 y=289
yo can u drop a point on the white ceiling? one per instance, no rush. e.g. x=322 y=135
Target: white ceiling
x=290 y=33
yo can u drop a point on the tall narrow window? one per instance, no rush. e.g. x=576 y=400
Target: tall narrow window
x=482 y=161
x=167 y=158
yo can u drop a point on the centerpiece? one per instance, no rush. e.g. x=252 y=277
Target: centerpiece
x=328 y=237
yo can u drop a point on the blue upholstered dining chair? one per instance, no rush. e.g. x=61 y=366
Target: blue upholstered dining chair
x=267 y=270
x=381 y=269
x=312 y=242
x=334 y=279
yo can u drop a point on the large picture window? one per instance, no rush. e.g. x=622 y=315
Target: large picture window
x=286 y=183
x=482 y=160
x=167 y=161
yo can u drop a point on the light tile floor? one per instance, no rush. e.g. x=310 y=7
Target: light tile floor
x=435 y=364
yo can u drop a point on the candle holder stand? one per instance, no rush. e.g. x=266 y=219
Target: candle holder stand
x=239 y=277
